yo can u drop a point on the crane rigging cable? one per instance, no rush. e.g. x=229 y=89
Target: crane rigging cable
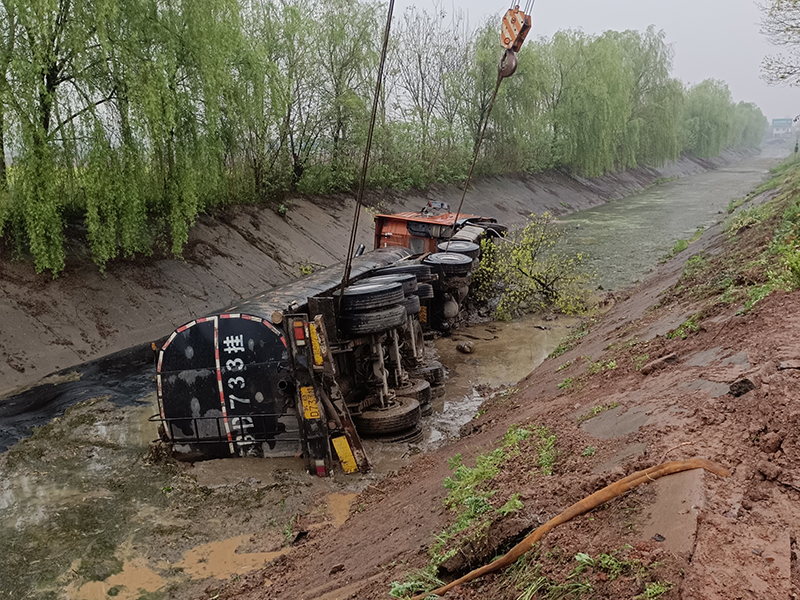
x=514 y=29
x=362 y=181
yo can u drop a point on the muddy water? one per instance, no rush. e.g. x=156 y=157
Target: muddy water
x=626 y=238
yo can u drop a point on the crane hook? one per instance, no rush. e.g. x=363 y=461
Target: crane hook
x=508 y=64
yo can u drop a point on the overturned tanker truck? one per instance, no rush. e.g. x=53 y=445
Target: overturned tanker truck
x=301 y=371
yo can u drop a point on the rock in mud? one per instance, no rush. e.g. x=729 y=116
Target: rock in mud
x=770 y=443
x=466 y=347
x=741 y=386
x=769 y=470
x=659 y=363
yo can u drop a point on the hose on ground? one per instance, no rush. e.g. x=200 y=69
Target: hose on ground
x=590 y=502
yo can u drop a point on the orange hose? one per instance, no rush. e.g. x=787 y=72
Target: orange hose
x=590 y=502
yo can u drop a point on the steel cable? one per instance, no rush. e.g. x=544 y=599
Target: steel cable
x=365 y=164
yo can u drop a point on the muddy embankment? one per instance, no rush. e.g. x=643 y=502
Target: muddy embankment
x=676 y=368
x=49 y=325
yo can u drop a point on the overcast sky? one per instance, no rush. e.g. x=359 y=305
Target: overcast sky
x=717 y=39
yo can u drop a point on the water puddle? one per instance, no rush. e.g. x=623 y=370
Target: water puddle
x=504 y=353
x=220 y=560
x=339 y=507
x=135 y=580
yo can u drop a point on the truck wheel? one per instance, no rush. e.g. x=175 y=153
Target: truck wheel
x=374 y=321
x=401 y=414
x=424 y=291
x=366 y=296
x=451 y=263
x=460 y=247
x=419 y=389
x=412 y=304
x=422 y=272
x=434 y=374
x=407 y=280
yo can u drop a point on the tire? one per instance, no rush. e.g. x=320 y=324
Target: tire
x=434 y=374
x=368 y=296
x=412 y=304
x=375 y=321
x=402 y=414
x=460 y=247
x=424 y=291
x=451 y=263
x=418 y=269
x=407 y=280
x=419 y=389
x=410 y=436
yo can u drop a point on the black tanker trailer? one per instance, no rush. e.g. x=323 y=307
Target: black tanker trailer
x=301 y=371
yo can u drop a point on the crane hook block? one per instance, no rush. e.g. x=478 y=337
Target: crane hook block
x=515 y=28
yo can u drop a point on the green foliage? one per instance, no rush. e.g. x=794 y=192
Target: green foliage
x=528 y=269
x=566 y=384
x=470 y=498
x=571 y=340
x=600 y=365
x=748 y=217
x=145 y=114
x=596 y=410
x=589 y=451
x=679 y=247
x=685 y=329
x=415 y=582
x=655 y=590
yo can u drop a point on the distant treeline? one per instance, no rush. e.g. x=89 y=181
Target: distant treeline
x=127 y=118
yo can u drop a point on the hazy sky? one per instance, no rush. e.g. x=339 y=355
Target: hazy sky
x=717 y=39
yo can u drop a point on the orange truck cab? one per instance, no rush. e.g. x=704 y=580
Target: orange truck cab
x=422 y=231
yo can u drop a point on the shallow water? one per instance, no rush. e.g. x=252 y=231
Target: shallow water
x=626 y=238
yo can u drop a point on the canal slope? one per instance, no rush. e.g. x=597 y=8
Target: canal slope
x=50 y=325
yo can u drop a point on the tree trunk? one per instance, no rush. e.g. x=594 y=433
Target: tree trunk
x=3 y=174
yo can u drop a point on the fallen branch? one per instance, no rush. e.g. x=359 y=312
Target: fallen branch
x=600 y=497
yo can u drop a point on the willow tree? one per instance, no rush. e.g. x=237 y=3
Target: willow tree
x=708 y=118
x=781 y=25
x=54 y=82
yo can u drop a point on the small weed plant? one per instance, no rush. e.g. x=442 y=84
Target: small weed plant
x=572 y=339
x=596 y=410
x=688 y=327
x=654 y=590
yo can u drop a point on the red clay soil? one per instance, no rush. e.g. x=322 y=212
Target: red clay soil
x=729 y=393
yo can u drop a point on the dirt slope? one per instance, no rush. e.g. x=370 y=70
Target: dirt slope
x=727 y=392
x=49 y=325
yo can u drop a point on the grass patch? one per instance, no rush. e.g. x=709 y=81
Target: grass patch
x=596 y=410
x=528 y=580
x=655 y=590
x=600 y=365
x=640 y=360
x=566 y=384
x=688 y=327
x=475 y=501
x=572 y=339
x=589 y=451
